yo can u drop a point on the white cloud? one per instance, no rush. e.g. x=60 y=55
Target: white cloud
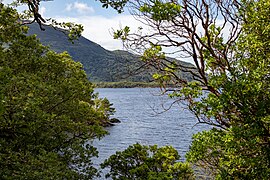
x=42 y=11
x=80 y=8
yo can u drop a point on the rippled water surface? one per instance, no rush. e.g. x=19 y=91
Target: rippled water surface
x=144 y=120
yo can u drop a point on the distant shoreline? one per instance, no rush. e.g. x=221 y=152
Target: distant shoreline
x=126 y=84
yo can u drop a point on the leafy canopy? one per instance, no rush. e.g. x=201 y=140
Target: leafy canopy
x=147 y=162
x=49 y=111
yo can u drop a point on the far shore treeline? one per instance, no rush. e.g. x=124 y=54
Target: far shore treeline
x=126 y=84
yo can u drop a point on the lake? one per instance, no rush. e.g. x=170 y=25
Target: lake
x=144 y=119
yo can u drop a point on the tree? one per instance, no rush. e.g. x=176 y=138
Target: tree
x=147 y=162
x=228 y=41
x=49 y=111
x=244 y=147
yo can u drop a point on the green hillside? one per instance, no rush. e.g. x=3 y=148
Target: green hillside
x=100 y=64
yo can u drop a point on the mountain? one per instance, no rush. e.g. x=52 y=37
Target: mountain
x=101 y=65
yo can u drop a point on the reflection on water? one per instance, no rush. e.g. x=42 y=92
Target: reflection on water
x=142 y=121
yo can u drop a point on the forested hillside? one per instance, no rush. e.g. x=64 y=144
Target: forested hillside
x=100 y=64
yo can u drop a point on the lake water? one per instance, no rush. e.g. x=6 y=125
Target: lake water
x=145 y=120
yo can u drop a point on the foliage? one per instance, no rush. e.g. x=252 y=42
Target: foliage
x=230 y=154
x=48 y=109
x=242 y=150
x=228 y=42
x=161 y=10
x=116 y=4
x=147 y=162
